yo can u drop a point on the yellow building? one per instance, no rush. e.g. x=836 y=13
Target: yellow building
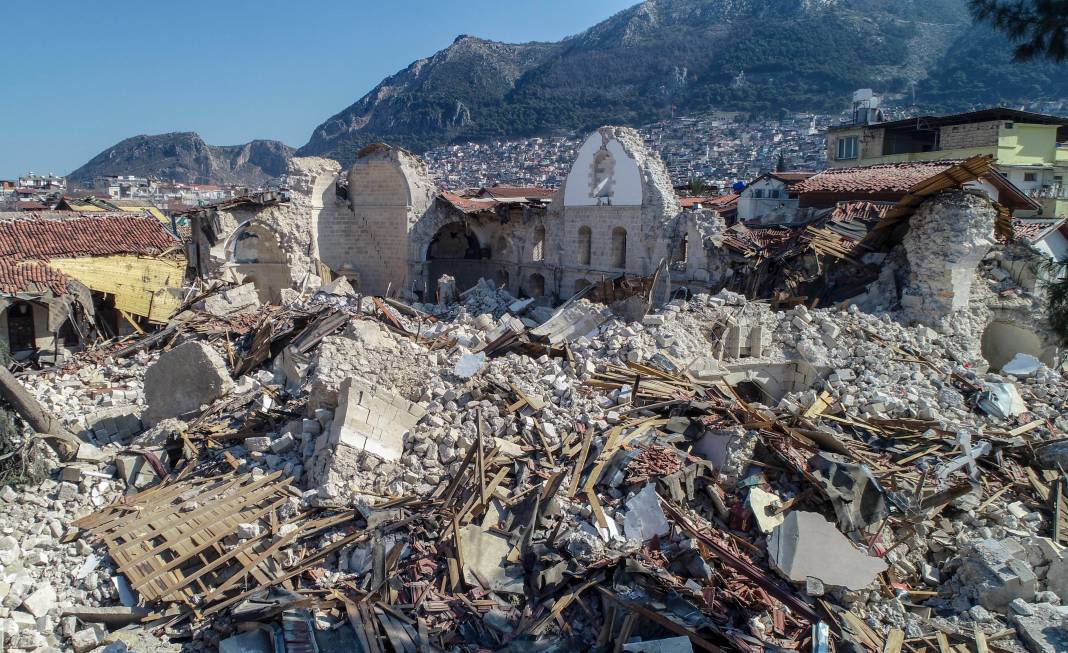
x=1031 y=149
x=66 y=275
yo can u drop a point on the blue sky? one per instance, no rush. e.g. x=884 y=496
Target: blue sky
x=81 y=76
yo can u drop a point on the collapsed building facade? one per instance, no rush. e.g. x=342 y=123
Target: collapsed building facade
x=615 y=228
x=68 y=277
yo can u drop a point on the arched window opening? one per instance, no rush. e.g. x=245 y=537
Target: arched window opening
x=585 y=242
x=602 y=176
x=619 y=247
x=539 y=243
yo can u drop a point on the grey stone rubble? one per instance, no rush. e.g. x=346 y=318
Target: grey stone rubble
x=992 y=565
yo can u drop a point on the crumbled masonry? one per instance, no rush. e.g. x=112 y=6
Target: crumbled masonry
x=421 y=463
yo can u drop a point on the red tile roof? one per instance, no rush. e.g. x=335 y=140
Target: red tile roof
x=512 y=192
x=791 y=177
x=61 y=234
x=888 y=178
x=468 y=204
x=1031 y=229
x=859 y=211
x=711 y=202
x=29 y=239
x=20 y=276
x=766 y=242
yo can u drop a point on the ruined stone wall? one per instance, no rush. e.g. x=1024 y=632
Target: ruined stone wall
x=367 y=236
x=289 y=245
x=949 y=234
x=638 y=199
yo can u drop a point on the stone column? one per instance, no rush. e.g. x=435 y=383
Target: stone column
x=948 y=236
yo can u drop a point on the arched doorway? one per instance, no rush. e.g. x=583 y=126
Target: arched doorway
x=258 y=256
x=456 y=251
x=536 y=285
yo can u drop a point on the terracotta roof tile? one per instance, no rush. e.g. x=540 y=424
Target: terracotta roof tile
x=29 y=239
x=510 y=192
x=896 y=177
x=58 y=234
x=21 y=276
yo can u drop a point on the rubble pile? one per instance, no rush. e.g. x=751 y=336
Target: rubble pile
x=361 y=474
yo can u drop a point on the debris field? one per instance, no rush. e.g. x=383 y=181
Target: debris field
x=352 y=473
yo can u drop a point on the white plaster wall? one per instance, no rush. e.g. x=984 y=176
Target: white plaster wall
x=627 y=186
x=1054 y=245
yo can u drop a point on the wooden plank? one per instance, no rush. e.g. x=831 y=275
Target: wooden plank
x=980 y=642
x=943 y=642
x=893 y=641
x=587 y=440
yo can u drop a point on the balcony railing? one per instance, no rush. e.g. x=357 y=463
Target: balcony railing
x=1049 y=193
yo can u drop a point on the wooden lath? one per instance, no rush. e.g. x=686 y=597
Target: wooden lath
x=168 y=541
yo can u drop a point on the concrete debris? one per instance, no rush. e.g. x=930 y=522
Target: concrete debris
x=256 y=641
x=1002 y=400
x=1021 y=365
x=1043 y=628
x=765 y=507
x=669 y=645
x=645 y=519
x=190 y=376
x=808 y=546
x=485 y=556
x=469 y=365
x=853 y=489
x=232 y=301
x=460 y=475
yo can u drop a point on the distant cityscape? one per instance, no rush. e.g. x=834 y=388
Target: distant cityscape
x=717 y=149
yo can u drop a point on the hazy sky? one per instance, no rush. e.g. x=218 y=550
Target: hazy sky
x=81 y=76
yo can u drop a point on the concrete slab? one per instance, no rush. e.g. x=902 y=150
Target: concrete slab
x=807 y=545
x=182 y=380
x=485 y=557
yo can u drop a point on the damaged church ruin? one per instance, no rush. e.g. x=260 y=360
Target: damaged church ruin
x=615 y=228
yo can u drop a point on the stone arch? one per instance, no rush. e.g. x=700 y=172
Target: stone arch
x=458 y=251
x=257 y=256
x=377 y=179
x=619 y=248
x=536 y=285
x=454 y=241
x=585 y=245
x=254 y=244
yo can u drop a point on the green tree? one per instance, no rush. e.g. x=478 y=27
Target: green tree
x=1057 y=297
x=1039 y=28
x=699 y=188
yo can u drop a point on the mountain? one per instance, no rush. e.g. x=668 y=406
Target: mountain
x=688 y=56
x=185 y=157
